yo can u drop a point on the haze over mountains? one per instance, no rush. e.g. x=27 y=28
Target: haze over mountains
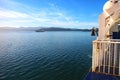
x=40 y=29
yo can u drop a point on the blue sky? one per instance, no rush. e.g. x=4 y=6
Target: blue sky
x=50 y=13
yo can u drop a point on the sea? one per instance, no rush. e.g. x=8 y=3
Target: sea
x=56 y=55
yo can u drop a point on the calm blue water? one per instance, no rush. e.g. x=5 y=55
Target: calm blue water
x=45 y=55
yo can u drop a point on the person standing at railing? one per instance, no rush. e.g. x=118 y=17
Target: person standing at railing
x=94 y=31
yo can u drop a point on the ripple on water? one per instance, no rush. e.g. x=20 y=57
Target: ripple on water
x=34 y=56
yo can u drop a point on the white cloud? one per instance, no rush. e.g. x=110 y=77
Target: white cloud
x=12 y=14
x=21 y=15
x=74 y=24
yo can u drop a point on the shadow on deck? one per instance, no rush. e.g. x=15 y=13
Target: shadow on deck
x=98 y=76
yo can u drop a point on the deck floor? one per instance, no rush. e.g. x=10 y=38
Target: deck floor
x=96 y=76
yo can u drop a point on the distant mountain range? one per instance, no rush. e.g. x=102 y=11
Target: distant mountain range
x=19 y=29
x=40 y=29
x=60 y=29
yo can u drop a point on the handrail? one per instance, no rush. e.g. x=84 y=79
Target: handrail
x=108 y=41
x=106 y=56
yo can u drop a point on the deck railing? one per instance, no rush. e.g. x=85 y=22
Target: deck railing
x=106 y=57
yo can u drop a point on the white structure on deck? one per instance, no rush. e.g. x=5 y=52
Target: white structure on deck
x=106 y=49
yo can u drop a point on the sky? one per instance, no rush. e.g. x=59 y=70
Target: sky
x=50 y=13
